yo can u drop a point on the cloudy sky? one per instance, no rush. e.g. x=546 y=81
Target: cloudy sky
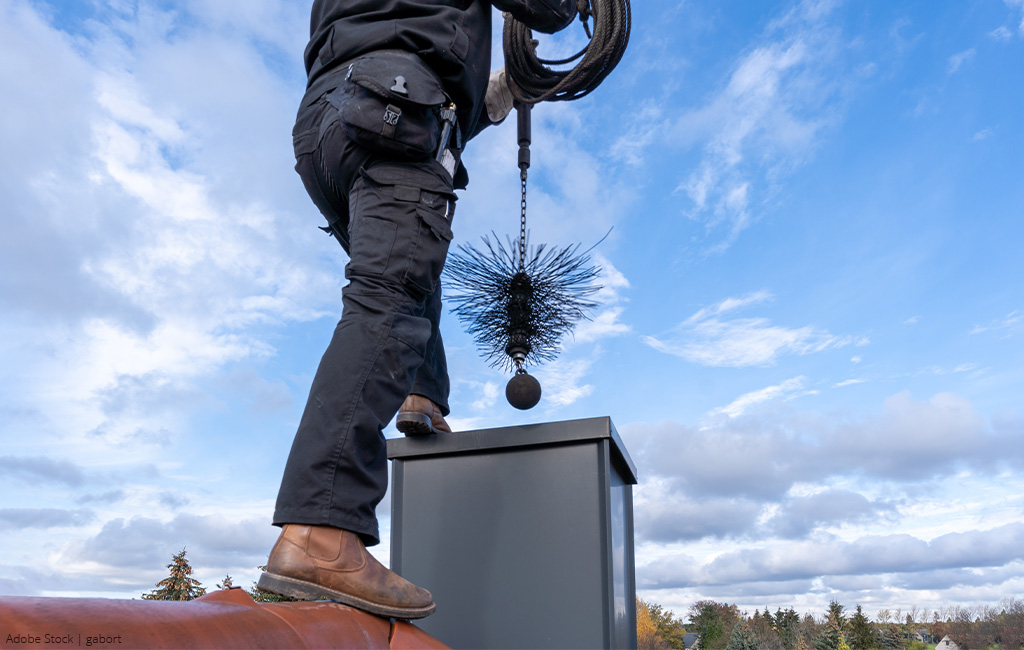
x=811 y=334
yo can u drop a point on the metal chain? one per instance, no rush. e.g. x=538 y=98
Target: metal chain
x=522 y=224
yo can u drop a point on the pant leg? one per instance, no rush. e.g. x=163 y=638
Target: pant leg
x=398 y=233
x=432 y=377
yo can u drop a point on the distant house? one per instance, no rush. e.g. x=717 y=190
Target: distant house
x=917 y=636
x=924 y=636
x=690 y=640
x=947 y=644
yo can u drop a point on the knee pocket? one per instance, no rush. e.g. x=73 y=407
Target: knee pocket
x=400 y=229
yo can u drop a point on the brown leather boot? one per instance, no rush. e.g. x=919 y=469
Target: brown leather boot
x=419 y=416
x=312 y=562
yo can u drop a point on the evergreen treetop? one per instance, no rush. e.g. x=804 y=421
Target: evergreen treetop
x=179 y=585
x=832 y=635
x=742 y=638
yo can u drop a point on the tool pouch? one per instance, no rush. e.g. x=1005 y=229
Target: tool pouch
x=389 y=103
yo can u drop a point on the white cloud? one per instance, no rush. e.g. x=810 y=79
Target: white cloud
x=665 y=515
x=488 y=396
x=16 y=519
x=957 y=60
x=127 y=554
x=868 y=564
x=33 y=468
x=871 y=554
x=1008 y=322
x=798 y=516
x=173 y=265
x=606 y=322
x=848 y=382
x=706 y=339
x=1019 y=6
x=1001 y=33
x=561 y=381
x=737 y=407
x=769 y=452
x=764 y=121
x=981 y=135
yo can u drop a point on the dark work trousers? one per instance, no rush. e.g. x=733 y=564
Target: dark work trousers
x=393 y=218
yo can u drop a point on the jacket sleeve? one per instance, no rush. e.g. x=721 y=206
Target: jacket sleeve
x=546 y=16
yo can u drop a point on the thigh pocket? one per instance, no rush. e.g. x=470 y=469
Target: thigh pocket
x=433 y=236
x=371 y=242
x=400 y=227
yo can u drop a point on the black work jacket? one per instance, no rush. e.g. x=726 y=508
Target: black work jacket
x=453 y=37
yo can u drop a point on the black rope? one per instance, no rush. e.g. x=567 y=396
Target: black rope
x=531 y=78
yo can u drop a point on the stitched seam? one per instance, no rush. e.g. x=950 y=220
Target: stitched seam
x=347 y=428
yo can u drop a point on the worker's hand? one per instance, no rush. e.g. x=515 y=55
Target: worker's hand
x=498 y=99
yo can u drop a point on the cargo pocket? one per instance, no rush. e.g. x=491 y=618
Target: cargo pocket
x=433 y=239
x=401 y=226
x=371 y=242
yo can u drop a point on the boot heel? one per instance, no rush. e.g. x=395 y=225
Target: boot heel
x=293 y=589
x=414 y=424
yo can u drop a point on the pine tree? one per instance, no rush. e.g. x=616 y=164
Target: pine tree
x=832 y=635
x=835 y=610
x=893 y=639
x=786 y=622
x=226 y=583
x=742 y=638
x=765 y=631
x=862 y=635
x=180 y=585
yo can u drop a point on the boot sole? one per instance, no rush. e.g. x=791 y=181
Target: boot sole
x=414 y=424
x=303 y=590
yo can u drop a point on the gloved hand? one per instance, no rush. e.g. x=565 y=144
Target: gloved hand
x=498 y=99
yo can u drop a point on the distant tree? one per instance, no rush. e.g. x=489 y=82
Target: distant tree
x=862 y=634
x=668 y=626
x=742 y=638
x=766 y=631
x=832 y=635
x=892 y=638
x=647 y=637
x=1011 y=624
x=961 y=628
x=180 y=585
x=809 y=629
x=914 y=617
x=787 y=624
x=835 y=610
x=988 y=629
x=706 y=619
x=763 y=629
x=226 y=583
x=938 y=625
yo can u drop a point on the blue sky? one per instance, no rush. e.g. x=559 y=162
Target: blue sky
x=811 y=327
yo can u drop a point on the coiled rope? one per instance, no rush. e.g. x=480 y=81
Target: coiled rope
x=531 y=78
